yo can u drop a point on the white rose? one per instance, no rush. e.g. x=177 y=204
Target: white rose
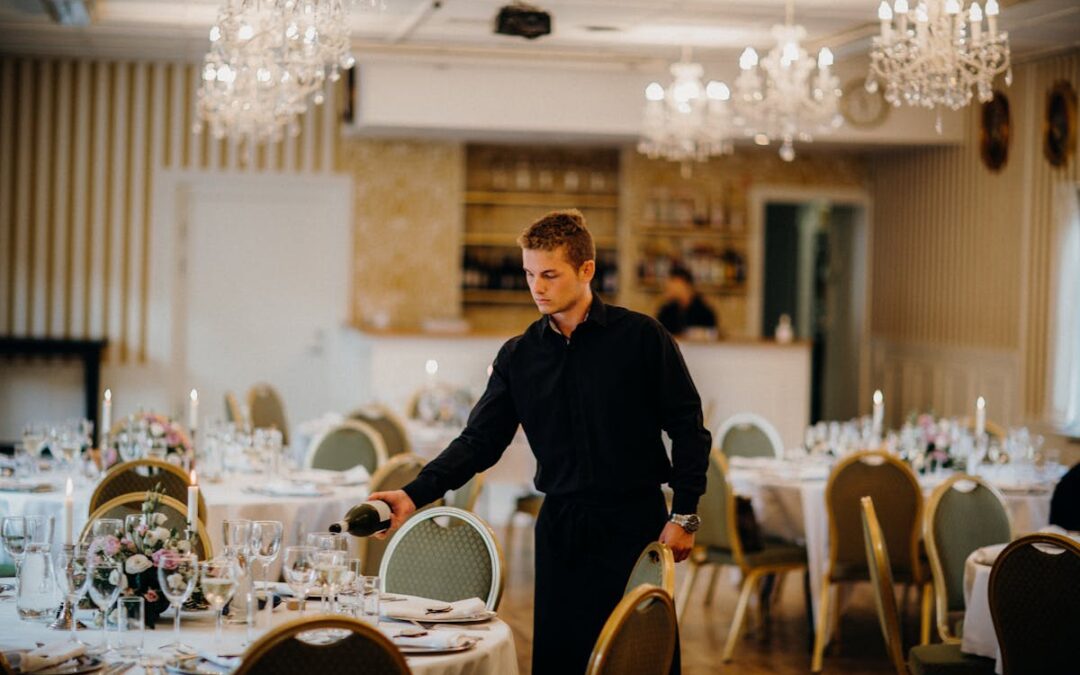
x=150 y=538
x=160 y=518
x=156 y=429
x=114 y=576
x=176 y=582
x=183 y=546
x=161 y=533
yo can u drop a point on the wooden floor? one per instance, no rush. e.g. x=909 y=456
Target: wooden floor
x=784 y=649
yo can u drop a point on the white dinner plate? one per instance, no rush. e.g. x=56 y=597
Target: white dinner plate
x=418 y=650
x=487 y=615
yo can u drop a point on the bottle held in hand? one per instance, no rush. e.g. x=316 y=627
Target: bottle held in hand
x=364 y=519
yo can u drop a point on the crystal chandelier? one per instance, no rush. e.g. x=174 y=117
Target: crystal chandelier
x=781 y=97
x=687 y=121
x=937 y=54
x=266 y=60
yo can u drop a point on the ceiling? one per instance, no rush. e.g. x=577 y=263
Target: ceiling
x=623 y=32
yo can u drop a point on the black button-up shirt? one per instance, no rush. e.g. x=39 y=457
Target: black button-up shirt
x=592 y=408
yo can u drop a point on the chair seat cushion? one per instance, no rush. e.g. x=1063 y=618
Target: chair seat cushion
x=946 y=658
x=775 y=552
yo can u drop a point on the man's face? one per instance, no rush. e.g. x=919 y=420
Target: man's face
x=678 y=290
x=554 y=283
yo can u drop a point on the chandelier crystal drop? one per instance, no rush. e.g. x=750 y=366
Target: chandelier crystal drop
x=937 y=54
x=787 y=96
x=688 y=120
x=267 y=60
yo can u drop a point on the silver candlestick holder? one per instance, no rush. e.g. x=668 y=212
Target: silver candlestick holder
x=65 y=615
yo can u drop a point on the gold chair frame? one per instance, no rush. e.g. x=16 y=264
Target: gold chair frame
x=364 y=544
x=364 y=428
x=290 y=629
x=620 y=615
x=233 y=410
x=253 y=394
x=888 y=613
x=941 y=599
x=470 y=504
x=138 y=498
x=823 y=619
x=387 y=412
x=498 y=572
x=667 y=564
x=113 y=473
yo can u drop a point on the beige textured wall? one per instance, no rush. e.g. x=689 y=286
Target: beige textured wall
x=962 y=256
x=408 y=213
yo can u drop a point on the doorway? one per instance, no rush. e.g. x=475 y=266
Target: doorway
x=815 y=271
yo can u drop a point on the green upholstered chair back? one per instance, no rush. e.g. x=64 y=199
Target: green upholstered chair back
x=395 y=474
x=656 y=567
x=389 y=427
x=877 y=560
x=284 y=651
x=716 y=507
x=749 y=435
x=639 y=637
x=1035 y=603
x=897 y=500
x=445 y=554
x=346 y=445
x=964 y=514
x=267 y=410
x=131 y=504
x=465 y=496
x=141 y=476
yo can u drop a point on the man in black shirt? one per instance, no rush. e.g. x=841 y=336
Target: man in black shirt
x=593 y=385
x=685 y=308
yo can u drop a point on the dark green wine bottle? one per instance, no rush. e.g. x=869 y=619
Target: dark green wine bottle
x=364 y=519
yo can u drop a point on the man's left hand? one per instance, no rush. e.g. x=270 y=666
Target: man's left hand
x=678 y=540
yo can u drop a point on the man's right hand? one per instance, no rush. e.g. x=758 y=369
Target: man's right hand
x=401 y=507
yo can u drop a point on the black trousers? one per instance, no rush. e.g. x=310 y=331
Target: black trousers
x=585 y=550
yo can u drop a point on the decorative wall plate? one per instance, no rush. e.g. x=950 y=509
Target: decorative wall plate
x=996 y=132
x=1059 y=124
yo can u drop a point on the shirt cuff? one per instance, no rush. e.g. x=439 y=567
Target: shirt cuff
x=684 y=503
x=421 y=492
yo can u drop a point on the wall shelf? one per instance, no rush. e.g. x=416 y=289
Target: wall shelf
x=485 y=296
x=510 y=240
x=543 y=199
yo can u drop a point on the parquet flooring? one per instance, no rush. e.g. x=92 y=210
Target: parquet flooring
x=783 y=649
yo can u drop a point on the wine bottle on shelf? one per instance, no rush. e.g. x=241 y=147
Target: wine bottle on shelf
x=364 y=519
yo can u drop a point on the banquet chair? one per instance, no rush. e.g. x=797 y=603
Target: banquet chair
x=444 y=554
x=395 y=474
x=1065 y=502
x=528 y=503
x=465 y=497
x=131 y=504
x=267 y=410
x=895 y=490
x=346 y=445
x=937 y=659
x=389 y=426
x=719 y=542
x=640 y=636
x=284 y=650
x=233 y=413
x=142 y=475
x=749 y=435
x=964 y=513
x=1035 y=604
x=655 y=566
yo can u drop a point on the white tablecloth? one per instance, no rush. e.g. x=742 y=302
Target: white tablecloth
x=793 y=509
x=225 y=500
x=494 y=654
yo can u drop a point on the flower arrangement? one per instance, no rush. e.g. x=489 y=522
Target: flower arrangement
x=154 y=431
x=146 y=545
x=928 y=442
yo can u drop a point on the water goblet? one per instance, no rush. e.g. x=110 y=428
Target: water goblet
x=299 y=568
x=105 y=579
x=177 y=579
x=236 y=534
x=15 y=540
x=330 y=568
x=266 y=542
x=72 y=574
x=218 y=581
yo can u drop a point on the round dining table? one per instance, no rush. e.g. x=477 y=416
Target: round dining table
x=492 y=654
x=235 y=496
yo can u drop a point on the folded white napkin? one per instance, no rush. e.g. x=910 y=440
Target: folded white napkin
x=987 y=554
x=357 y=475
x=417 y=609
x=433 y=639
x=288 y=489
x=50 y=655
x=223 y=661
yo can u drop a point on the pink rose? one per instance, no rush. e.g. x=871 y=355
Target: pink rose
x=150 y=595
x=141 y=529
x=127 y=544
x=110 y=545
x=165 y=558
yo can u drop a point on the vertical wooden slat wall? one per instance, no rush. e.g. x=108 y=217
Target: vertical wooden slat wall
x=80 y=143
x=963 y=256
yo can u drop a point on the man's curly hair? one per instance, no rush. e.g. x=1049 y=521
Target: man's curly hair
x=561 y=228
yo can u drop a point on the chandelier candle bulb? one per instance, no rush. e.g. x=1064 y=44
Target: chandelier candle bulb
x=885 y=15
x=976 y=16
x=992 y=12
x=900 y=9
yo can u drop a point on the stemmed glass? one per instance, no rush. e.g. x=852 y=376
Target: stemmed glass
x=299 y=567
x=72 y=576
x=237 y=536
x=15 y=538
x=105 y=579
x=266 y=543
x=218 y=580
x=177 y=583
x=331 y=569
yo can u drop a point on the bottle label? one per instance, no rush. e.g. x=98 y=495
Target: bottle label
x=383 y=509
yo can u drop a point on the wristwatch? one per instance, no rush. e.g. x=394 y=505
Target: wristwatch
x=690 y=523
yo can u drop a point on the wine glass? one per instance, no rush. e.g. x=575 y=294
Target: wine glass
x=331 y=569
x=327 y=541
x=72 y=576
x=218 y=580
x=105 y=579
x=299 y=567
x=266 y=542
x=14 y=534
x=237 y=536
x=177 y=582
